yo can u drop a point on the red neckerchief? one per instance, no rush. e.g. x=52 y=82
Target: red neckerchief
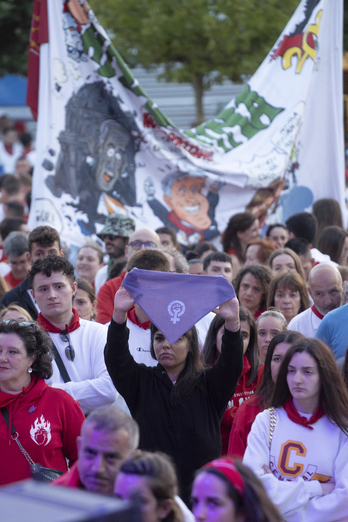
x=316 y=312
x=295 y=417
x=9 y=149
x=46 y=325
x=8 y=398
x=258 y=313
x=132 y=317
x=189 y=230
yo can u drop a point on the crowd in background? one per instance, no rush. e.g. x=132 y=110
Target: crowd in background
x=262 y=378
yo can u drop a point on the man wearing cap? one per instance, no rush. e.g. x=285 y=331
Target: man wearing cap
x=138 y=240
x=115 y=234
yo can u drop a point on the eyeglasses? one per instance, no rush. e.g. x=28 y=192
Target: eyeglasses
x=138 y=244
x=69 y=350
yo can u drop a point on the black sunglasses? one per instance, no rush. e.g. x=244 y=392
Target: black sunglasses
x=69 y=350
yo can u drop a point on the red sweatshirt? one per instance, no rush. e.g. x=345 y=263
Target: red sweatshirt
x=70 y=479
x=242 y=426
x=47 y=420
x=105 y=298
x=242 y=393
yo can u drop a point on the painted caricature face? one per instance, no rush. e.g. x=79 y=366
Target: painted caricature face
x=188 y=202
x=210 y=501
x=111 y=158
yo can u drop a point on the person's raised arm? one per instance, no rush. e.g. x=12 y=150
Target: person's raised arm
x=122 y=303
x=230 y=312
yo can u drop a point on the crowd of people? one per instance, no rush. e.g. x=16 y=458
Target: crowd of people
x=91 y=388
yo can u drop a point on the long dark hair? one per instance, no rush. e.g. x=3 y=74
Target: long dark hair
x=194 y=366
x=333 y=392
x=331 y=241
x=238 y=223
x=209 y=351
x=265 y=391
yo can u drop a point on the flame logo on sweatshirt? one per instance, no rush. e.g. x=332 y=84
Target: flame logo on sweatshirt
x=41 y=431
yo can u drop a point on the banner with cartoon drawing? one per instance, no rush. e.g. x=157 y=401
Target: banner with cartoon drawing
x=103 y=146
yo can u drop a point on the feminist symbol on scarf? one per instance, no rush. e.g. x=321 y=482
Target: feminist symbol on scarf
x=176 y=309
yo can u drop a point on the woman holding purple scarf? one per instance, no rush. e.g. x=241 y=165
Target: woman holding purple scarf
x=178 y=404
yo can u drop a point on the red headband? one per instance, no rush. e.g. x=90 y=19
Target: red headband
x=226 y=467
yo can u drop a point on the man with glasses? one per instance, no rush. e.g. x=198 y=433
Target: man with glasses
x=138 y=240
x=115 y=234
x=79 y=366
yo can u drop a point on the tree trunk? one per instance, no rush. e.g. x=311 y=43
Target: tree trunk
x=199 y=91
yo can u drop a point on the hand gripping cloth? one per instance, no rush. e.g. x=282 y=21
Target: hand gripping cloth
x=175 y=302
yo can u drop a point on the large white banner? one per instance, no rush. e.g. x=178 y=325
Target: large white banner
x=104 y=147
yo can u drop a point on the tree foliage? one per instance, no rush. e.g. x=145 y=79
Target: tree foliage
x=15 y=21
x=197 y=41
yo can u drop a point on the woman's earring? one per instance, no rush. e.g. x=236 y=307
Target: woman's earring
x=30 y=370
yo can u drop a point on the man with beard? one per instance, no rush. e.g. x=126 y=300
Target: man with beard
x=115 y=234
x=325 y=288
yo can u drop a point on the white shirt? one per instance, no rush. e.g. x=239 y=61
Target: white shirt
x=100 y=278
x=306 y=323
x=90 y=383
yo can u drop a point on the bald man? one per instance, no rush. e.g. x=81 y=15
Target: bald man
x=325 y=288
x=139 y=240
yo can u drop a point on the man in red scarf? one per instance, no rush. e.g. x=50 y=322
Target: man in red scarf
x=79 y=366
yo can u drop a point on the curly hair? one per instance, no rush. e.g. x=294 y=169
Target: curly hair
x=45 y=236
x=262 y=273
x=49 y=264
x=266 y=248
x=36 y=342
